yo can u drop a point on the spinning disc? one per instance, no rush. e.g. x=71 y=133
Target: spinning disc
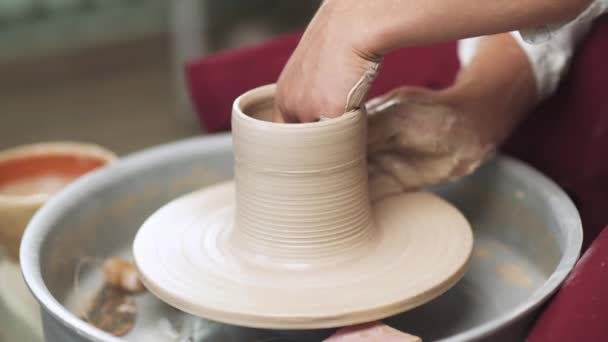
x=418 y=249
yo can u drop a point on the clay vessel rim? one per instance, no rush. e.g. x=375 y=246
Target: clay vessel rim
x=265 y=92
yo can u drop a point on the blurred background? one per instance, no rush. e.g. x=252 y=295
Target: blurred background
x=110 y=71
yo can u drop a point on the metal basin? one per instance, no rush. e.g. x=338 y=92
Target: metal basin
x=528 y=237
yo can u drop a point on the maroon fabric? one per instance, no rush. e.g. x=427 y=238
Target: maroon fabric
x=579 y=312
x=216 y=80
x=567 y=137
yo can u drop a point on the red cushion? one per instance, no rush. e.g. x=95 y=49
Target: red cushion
x=216 y=80
x=579 y=312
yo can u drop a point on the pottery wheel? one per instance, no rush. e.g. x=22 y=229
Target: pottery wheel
x=250 y=254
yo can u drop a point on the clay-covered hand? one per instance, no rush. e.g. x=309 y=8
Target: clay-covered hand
x=419 y=137
x=329 y=68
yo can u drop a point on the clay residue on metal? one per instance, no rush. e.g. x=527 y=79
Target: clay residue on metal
x=112 y=311
x=481 y=252
x=514 y=274
x=113 y=308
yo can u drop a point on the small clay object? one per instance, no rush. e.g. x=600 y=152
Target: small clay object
x=112 y=310
x=122 y=274
x=371 y=332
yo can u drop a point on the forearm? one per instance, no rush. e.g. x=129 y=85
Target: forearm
x=498 y=87
x=384 y=25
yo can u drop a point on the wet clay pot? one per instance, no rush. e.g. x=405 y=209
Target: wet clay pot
x=294 y=241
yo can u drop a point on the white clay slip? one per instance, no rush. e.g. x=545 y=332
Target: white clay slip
x=294 y=242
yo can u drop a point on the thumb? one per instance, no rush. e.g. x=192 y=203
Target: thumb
x=359 y=92
x=277 y=116
x=386 y=118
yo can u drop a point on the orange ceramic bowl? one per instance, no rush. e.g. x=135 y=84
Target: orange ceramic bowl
x=30 y=174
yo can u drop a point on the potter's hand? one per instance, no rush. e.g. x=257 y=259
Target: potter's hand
x=419 y=137
x=329 y=68
x=346 y=40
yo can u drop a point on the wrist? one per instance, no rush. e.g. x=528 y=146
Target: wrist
x=487 y=115
x=359 y=24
